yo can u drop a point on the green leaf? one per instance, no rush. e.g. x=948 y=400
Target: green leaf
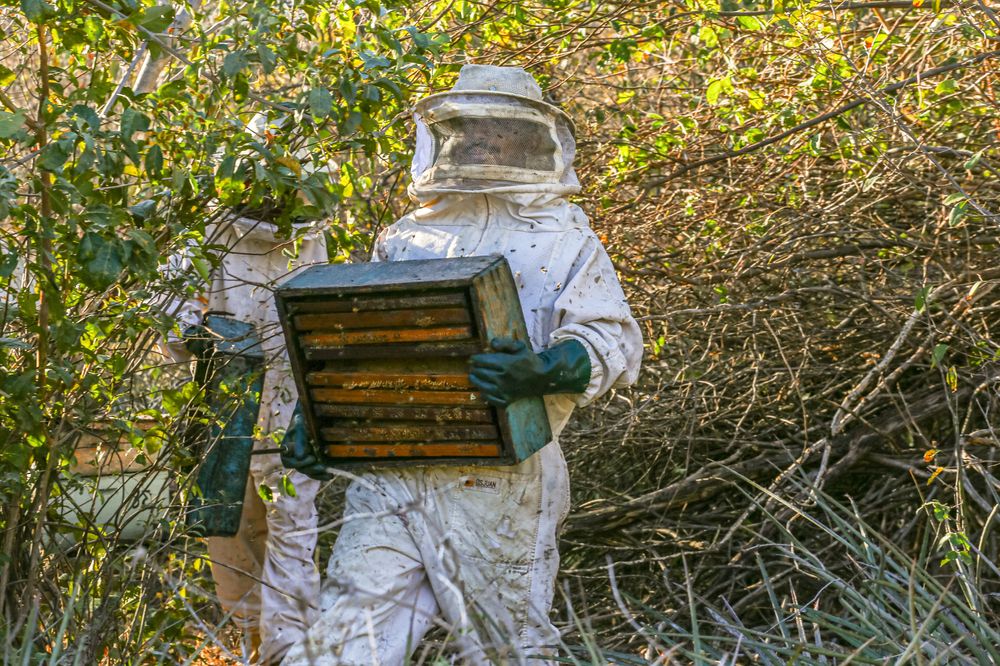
x=974 y=160
x=37 y=11
x=320 y=102
x=11 y=123
x=132 y=122
x=101 y=261
x=176 y=400
x=716 y=88
x=347 y=89
x=88 y=115
x=750 y=22
x=264 y=492
x=946 y=86
x=93 y=27
x=373 y=60
x=287 y=487
x=102 y=216
x=228 y=187
x=353 y=122
x=203 y=266
x=155 y=19
x=141 y=250
x=241 y=87
x=144 y=209
x=234 y=63
x=708 y=36
x=173 y=90
x=268 y=59
x=421 y=39
x=816 y=145
x=7 y=76
x=938 y=354
x=54 y=155
x=391 y=86
x=14 y=343
x=154 y=161
x=7 y=265
x=145 y=242
x=920 y=300
x=957 y=213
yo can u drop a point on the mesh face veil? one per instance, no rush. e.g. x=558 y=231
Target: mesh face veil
x=492 y=142
x=499 y=142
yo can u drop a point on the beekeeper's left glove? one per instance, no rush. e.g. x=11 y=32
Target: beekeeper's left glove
x=512 y=371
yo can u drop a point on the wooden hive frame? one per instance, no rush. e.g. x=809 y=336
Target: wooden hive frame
x=380 y=357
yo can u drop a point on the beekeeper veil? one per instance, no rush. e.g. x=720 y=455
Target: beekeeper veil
x=492 y=133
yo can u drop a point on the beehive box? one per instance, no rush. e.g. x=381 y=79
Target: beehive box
x=114 y=489
x=380 y=356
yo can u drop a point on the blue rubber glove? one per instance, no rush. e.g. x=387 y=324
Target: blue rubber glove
x=296 y=451
x=197 y=340
x=512 y=371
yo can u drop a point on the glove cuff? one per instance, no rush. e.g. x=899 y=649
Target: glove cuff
x=567 y=367
x=196 y=340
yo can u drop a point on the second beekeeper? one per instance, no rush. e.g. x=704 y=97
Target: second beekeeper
x=265 y=575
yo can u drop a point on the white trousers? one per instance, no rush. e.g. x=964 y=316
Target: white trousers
x=474 y=548
x=266 y=574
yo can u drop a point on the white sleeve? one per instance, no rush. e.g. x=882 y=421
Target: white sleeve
x=379 y=251
x=592 y=309
x=186 y=309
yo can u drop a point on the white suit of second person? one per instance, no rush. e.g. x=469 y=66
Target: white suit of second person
x=477 y=546
x=265 y=575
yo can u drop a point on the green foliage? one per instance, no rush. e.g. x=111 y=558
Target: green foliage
x=714 y=137
x=100 y=184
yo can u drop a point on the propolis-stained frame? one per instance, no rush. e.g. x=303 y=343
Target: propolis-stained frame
x=380 y=351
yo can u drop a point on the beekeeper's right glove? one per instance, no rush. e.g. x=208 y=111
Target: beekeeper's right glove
x=296 y=451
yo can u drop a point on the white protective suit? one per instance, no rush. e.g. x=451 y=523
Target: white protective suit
x=477 y=546
x=265 y=575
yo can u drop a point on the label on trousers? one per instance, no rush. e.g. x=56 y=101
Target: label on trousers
x=482 y=484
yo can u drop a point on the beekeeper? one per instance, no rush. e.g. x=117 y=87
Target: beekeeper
x=265 y=575
x=476 y=547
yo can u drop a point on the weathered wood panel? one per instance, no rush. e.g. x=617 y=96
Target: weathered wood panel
x=428 y=450
x=373 y=337
x=390 y=397
x=437 y=365
x=475 y=414
x=412 y=350
x=342 y=303
x=524 y=423
x=387 y=380
x=360 y=279
x=383 y=319
x=409 y=433
x=97 y=461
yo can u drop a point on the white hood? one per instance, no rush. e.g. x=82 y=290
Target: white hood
x=492 y=134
